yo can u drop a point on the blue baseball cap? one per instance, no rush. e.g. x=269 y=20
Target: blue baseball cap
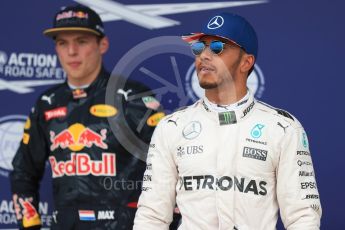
x=231 y=27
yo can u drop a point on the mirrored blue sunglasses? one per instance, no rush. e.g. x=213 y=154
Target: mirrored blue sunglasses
x=215 y=46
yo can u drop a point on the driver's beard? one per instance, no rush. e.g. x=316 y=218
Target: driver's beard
x=226 y=76
x=208 y=85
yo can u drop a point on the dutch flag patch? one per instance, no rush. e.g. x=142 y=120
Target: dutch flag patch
x=87 y=215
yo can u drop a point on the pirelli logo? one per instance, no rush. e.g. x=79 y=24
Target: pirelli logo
x=257 y=154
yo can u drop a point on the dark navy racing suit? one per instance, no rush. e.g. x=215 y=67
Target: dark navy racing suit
x=96 y=181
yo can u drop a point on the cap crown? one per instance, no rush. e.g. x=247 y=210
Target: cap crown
x=234 y=28
x=76 y=18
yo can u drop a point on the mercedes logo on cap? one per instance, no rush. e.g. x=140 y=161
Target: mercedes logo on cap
x=215 y=22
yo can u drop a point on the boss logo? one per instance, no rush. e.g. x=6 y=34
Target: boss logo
x=257 y=154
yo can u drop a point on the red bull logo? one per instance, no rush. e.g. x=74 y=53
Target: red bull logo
x=71 y=14
x=80 y=14
x=89 y=138
x=81 y=165
x=31 y=217
x=76 y=137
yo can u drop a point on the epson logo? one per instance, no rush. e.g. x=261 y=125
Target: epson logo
x=224 y=183
x=257 y=154
x=308 y=185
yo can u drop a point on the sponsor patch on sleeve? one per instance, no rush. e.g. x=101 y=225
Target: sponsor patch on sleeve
x=30 y=214
x=55 y=113
x=151 y=102
x=103 y=110
x=154 y=119
x=87 y=215
x=26 y=138
x=27 y=124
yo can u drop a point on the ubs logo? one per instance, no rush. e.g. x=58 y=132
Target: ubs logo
x=215 y=22
x=192 y=130
x=190 y=150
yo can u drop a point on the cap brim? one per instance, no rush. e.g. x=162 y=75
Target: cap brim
x=194 y=37
x=54 y=31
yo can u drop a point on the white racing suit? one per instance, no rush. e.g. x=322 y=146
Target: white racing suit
x=229 y=170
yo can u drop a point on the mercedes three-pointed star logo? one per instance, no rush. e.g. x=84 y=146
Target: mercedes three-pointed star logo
x=192 y=130
x=215 y=22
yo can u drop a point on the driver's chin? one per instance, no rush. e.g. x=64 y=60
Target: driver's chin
x=208 y=81
x=75 y=74
x=208 y=84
